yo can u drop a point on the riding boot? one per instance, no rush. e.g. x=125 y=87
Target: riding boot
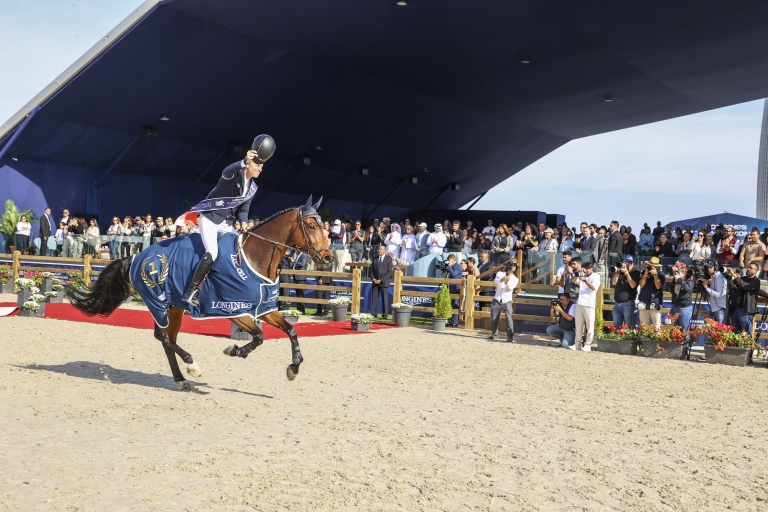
x=192 y=294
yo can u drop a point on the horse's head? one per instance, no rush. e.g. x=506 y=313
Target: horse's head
x=311 y=237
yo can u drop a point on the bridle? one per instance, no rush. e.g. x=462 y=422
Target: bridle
x=311 y=250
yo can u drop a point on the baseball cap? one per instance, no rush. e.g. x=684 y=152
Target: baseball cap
x=423 y=225
x=629 y=259
x=337 y=222
x=548 y=230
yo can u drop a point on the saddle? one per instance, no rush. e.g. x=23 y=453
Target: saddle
x=161 y=273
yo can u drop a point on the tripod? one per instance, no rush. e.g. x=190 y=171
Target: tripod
x=758 y=333
x=694 y=315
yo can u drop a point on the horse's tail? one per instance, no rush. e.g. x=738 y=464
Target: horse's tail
x=111 y=289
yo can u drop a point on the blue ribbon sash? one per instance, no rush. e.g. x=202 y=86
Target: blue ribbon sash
x=224 y=203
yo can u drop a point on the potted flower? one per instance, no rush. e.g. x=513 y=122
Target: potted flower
x=442 y=309
x=666 y=343
x=724 y=346
x=340 y=306
x=361 y=322
x=25 y=290
x=59 y=297
x=6 y=279
x=47 y=282
x=291 y=315
x=31 y=308
x=35 y=276
x=401 y=314
x=617 y=340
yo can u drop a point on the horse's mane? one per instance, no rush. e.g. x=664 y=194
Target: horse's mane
x=274 y=216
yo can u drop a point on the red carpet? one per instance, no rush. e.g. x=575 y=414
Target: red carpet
x=139 y=319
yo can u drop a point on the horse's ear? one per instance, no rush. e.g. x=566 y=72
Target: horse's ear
x=309 y=202
x=316 y=206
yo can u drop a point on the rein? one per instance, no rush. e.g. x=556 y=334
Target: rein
x=311 y=250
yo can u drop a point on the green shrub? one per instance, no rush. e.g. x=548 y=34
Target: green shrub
x=443 y=303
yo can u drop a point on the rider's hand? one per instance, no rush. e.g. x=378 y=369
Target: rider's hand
x=250 y=155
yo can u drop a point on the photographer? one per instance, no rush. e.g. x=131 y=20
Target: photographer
x=651 y=293
x=589 y=283
x=717 y=289
x=682 y=294
x=565 y=312
x=506 y=282
x=749 y=288
x=454 y=238
x=564 y=272
x=454 y=271
x=625 y=282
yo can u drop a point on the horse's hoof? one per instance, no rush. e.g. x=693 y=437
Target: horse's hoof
x=186 y=386
x=289 y=373
x=194 y=370
x=230 y=350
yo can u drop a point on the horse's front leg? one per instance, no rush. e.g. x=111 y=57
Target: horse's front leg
x=249 y=325
x=276 y=319
x=167 y=337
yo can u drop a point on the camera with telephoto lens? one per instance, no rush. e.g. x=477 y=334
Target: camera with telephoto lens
x=618 y=266
x=580 y=273
x=443 y=265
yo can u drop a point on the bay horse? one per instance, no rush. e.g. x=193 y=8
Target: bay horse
x=264 y=246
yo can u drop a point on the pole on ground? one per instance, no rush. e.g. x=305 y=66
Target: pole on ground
x=15 y=269
x=469 y=303
x=356 y=284
x=398 y=288
x=87 y=270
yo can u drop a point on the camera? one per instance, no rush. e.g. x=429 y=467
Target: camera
x=579 y=273
x=698 y=270
x=509 y=265
x=618 y=266
x=555 y=302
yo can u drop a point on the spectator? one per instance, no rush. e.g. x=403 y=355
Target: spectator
x=357 y=242
x=651 y=293
x=625 y=282
x=627 y=246
x=502 y=300
x=682 y=295
x=170 y=228
x=23 y=232
x=699 y=250
x=587 y=244
x=717 y=289
x=764 y=237
x=567 y=242
x=646 y=241
x=454 y=238
x=589 y=284
x=548 y=244
x=73 y=245
x=528 y=240
x=471 y=266
x=321 y=309
x=718 y=235
x=565 y=328
x=61 y=235
x=749 y=287
x=422 y=240
x=393 y=240
x=683 y=249
x=540 y=235
x=753 y=250
x=372 y=242
x=677 y=238
x=47 y=228
x=65 y=217
x=564 y=272
x=464 y=268
x=471 y=227
x=663 y=249
x=92 y=237
x=338 y=236
x=437 y=240
x=501 y=245
x=114 y=231
x=658 y=230
x=489 y=231
x=381 y=276
x=468 y=240
x=615 y=244
x=454 y=272
x=408 y=248
x=728 y=247
x=125 y=244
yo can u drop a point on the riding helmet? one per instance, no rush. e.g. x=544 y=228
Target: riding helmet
x=265 y=145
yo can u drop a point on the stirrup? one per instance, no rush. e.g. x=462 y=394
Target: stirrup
x=192 y=297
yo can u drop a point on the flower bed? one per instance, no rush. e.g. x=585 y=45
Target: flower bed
x=725 y=346
x=361 y=321
x=666 y=343
x=617 y=340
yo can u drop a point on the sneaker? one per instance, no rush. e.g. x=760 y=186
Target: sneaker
x=586 y=349
x=572 y=347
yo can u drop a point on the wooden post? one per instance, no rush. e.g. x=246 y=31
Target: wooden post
x=600 y=300
x=15 y=270
x=87 y=270
x=356 y=284
x=462 y=299
x=552 y=268
x=469 y=303
x=398 y=287
x=520 y=266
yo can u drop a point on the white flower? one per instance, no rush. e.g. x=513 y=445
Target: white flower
x=362 y=318
x=290 y=312
x=24 y=283
x=31 y=305
x=58 y=288
x=34 y=290
x=48 y=275
x=37 y=297
x=51 y=294
x=340 y=301
x=401 y=305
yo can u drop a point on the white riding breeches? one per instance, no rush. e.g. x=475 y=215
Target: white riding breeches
x=210 y=234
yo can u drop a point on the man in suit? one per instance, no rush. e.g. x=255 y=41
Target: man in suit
x=615 y=244
x=422 y=240
x=381 y=276
x=47 y=227
x=229 y=201
x=587 y=245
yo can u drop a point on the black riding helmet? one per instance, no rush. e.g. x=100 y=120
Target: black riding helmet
x=265 y=145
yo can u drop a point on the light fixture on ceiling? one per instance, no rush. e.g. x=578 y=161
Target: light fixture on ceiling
x=413 y=179
x=426 y=170
x=402 y=2
x=455 y=186
x=608 y=98
x=14 y=159
x=525 y=60
x=363 y=171
x=165 y=118
x=307 y=161
x=318 y=148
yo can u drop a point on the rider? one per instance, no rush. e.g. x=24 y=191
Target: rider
x=230 y=200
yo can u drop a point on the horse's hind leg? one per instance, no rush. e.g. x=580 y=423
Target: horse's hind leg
x=276 y=319
x=168 y=338
x=247 y=324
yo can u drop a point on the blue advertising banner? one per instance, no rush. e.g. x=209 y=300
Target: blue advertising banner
x=741 y=224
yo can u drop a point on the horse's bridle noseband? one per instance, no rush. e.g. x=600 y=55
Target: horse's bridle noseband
x=311 y=251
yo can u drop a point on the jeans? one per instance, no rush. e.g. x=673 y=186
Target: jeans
x=718 y=316
x=566 y=338
x=114 y=252
x=624 y=313
x=742 y=321
x=684 y=320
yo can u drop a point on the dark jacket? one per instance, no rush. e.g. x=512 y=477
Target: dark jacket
x=455 y=272
x=300 y=263
x=615 y=244
x=749 y=287
x=46 y=226
x=454 y=240
x=685 y=297
x=230 y=185
x=382 y=269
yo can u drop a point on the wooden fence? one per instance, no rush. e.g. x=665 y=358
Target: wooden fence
x=355 y=276
x=22 y=263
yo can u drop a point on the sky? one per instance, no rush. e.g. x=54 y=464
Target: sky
x=691 y=166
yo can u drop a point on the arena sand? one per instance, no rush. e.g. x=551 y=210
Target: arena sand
x=90 y=420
